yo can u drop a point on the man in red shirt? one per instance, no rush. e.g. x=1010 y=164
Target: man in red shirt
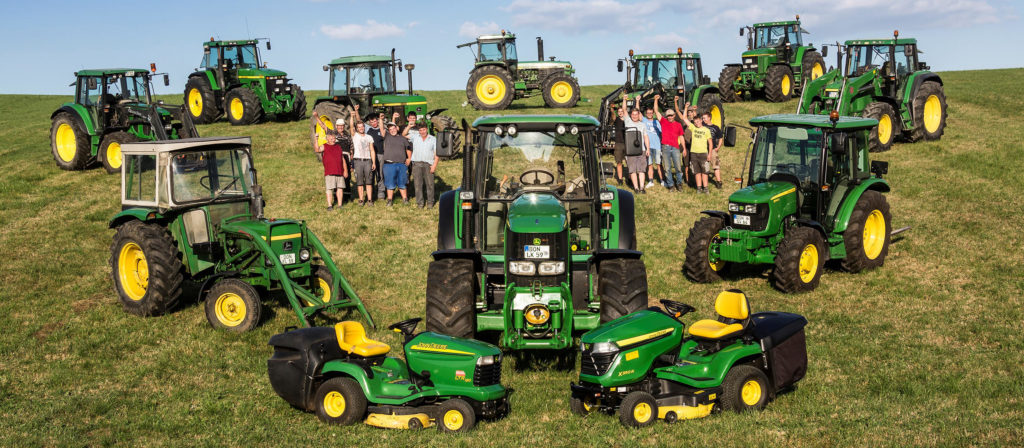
x=335 y=169
x=671 y=142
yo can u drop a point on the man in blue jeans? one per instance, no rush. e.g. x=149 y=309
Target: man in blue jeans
x=671 y=142
x=397 y=153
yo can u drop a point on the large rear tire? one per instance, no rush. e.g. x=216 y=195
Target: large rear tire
x=812 y=68
x=69 y=142
x=561 y=91
x=340 y=401
x=110 y=150
x=778 y=84
x=929 y=111
x=800 y=260
x=145 y=268
x=298 y=111
x=712 y=104
x=745 y=388
x=242 y=107
x=699 y=266
x=622 y=285
x=729 y=74
x=328 y=113
x=450 y=297
x=233 y=305
x=200 y=102
x=883 y=134
x=867 y=235
x=490 y=88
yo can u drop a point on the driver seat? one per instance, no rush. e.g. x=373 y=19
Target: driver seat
x=733 y=310
x=352 y=338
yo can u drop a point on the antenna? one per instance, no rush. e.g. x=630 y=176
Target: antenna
x=247 y=33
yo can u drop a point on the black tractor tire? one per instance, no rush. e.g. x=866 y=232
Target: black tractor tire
x=340 y=401
x=884 y=133
x=638 y=409
x=455 y=415
x=298 y=111
x=110 y=150
x=622 y=285
x=329 y=114
x=775 y=84
x=446 y=123
x=754 y=380
x=489 y=72
x=797 y=268
x=862 y=251
x=580 y=407
x=451 y=298
x=200 y=102
x=554 y=94
x=929 y=124
x=725 y=80
x=712 y=103
x=812 y=60
x=145 y=267
x=697 y=266
x=242 y=107
x=320 y=283
x=233 y=305
x=68 y=136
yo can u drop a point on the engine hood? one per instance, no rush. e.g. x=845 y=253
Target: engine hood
x=759 y=52
x=636 y=328
x=264 y=72
x=536 y=213
x=762 y=193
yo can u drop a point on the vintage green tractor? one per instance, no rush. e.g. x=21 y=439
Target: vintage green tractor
x=643 y=366
x=648 y=75
x=533 y=244
x=498 y=76
x=884 y=80
x=776 y=63
x=811 y=196
x=112 y=107
x=370 y=83
x=192 y=209
x=345 y=377
x=233 y=80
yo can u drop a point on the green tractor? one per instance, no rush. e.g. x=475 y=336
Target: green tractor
x=533 y=244
x=192 y=209
x=112 y=107
x=498 y=76
x=884 y=80
x=370 y=83
x=776 y=63
x=811 y=196
x=233 y=80
x=643 y=366
x=345 y=377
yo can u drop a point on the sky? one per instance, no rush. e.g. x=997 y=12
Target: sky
x=45 y=42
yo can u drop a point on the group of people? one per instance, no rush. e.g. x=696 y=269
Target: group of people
x=378 y=160
x=671 y=146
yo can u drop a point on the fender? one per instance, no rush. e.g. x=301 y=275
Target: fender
x=446 y=220
x=607 y=254
x=734 y=65
x=209 y=77
x=799 y=60
x=914 y=82
x=141 y=214
x=627 y=220
x=843 y=216
x=718 y=214
x=713 y=373
x=82 y=113
x=342 y=368
x=462 y=254
x=804 y=222
x=699 y=92
x=488 y=64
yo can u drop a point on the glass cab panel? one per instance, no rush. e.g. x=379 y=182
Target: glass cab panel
x=207 y=176
x=771 y=36
x=140 y=180
x=369 y=79
x=788 y=150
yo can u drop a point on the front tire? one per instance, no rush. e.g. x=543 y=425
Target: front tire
x=812 y=68
x=778 y=84
x=233 y=305
x=69 y=142
x=745 y=388
x=561 y=91
x=702 y=242
x=328 y=113
x=242 y=107
x=885 y=132
x=321 y=281
x=867 y=235
x=450 y=297
x=299 y=105
x=929 y=111
x=800 y=260
x=200 y=102
x=580 y=407
x=712 y=104
x=340 y=401
x=456 y=415
x=729 y=75
x=638 y=409
x=110 y=150
x=622 y=284
x=145 y=268
x=490 y=88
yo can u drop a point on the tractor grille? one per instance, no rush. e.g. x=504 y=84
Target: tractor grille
x=597 y=365
x=278 y=86
x=515 y=250
x=487 y=375
x=758 y=221
x=750 y=64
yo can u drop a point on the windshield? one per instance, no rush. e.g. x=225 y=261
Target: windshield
x=369 y=79
x=242 y=56
x=651 y=71
x=534 y=161
x=208 y=175
x=129 y=86
x=773 y=36
x=862 y=58
x=788 y=150
x=490 y=51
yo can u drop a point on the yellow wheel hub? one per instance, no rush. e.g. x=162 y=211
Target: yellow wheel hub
x=321 y=136
x=874 y=234
x=715 y=265
x=334 y=404
x=133 y=271
x=751 y=393
x=716 y=117
x=113 y=155
x=642 y=413
x=816 y=71
x=561 y=92
x=808 y=263
x=453 y=420
x=237 y=108
x=66 y=144
x=195 y=102
x=786 y=85
x=325 y=295
x=932 y=113
x=884 y=129
x=490 y=89
x=230 y=309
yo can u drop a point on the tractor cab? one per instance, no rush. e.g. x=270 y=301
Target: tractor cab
x=107 y=94
x=673 y=72
x=370 y=81
x=234 y=61
x=891 y=61
x=495 y=49
x=775 y=34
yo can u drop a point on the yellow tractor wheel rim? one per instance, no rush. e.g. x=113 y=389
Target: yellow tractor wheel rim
x=334 y=404
x=808 y=263
x=587 y=407
x=66 y=144
x=874 y=234
x=237 y=108
x=195 y=102
x=716 y=116
x=816 y=71
x=113 y=155
x=490 y=89
x=642 y=413
x=321 y=136
x=561 y=92
x=453 y=420
x=715 y=265
x=230 y=309
x=751 y=393
x=884 y=129
x=325 y=295
x=932 y=113
x=133 y=271
x=786 y=85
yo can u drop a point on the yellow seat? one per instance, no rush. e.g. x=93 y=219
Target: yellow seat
x=730 y=304
x=352 y=338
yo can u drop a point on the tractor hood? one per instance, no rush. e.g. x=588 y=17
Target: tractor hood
x=636 y=328
x=283 y=235
x=536 y=213
x=260 y=72
x=762 y=193
x=759 y=52
x=454 y=362
x=436 y=343
x=396 y=100
x=540 y=65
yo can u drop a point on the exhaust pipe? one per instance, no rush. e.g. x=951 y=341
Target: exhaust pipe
x=540 y=49
x=408 y=69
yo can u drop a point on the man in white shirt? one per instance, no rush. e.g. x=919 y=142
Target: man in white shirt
x=363 y=161
x=424 y=164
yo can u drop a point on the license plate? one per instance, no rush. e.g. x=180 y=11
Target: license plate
x=537 y=251
x=743 y=220
x=287 y=258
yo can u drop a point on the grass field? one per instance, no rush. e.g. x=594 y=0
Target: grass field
x=925 y=351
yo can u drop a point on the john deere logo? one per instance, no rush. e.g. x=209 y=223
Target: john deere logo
x=536 y=241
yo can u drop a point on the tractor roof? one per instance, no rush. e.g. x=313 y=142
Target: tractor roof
x=818 y=121
x=909 y=41
x=784 y=22
x=496 y=36
x=492 y=120
x=188 y=144
x=667 y=56
x=109 y=71
x=360 y=59
x=222 y=43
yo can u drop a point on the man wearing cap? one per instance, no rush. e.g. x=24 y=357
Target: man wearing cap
x=373 y=129
x=335 y=169
x=701 y=145
x=363 y=163
x=671 y=140
x=397 y=152
x=424 y=164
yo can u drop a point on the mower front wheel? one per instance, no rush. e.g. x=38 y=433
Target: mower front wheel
x=580 y=407
x=745 y=388
x=340 y=401
x=801 y=258
x=702 y=265
x=456 y=415
x=638 y=409
x=233 y=305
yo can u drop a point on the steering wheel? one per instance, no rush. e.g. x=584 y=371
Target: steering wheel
x=796 y=169
x=406 y=327
x=206 y=179
x=676 y=309
x=540 y=177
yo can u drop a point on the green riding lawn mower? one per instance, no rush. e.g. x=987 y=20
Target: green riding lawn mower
x=233 y=80
x=776 y=63
x=533 y=245
x=112 y=107
x=370 y=83
x=643 y=366
x=345 y=377
x=498 y=76
x=884 y=80
x=192 y=209
x=811 y=196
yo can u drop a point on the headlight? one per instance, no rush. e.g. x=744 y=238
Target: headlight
x=304 y=254
x=498 y=131
x=487 y=360
x=511 y=130
x=734 y=207
x=574 y=130
x=560 y=129
x=603 y=347
x=466 y=195
x=750 y=208
x=537 y=314
x=522 y=268
x=552 y=267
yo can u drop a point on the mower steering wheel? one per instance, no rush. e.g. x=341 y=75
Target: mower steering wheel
x=406 y=327
x=549 y=178
x=676 y=309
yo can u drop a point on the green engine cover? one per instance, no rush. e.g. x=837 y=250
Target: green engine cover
x=639 y=339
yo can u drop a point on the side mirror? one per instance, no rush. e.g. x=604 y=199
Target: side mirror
x=91 y=83
x=922 y=66
x=741 y=31
x=879 y=167
x=634 y=142
x=824 y=51
x=268 y=45
x=620 y=65
x=445 y=147
x=837 y=145
x=326 y=68
x=730 y=136
x=706 y=80
x=167 y=80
